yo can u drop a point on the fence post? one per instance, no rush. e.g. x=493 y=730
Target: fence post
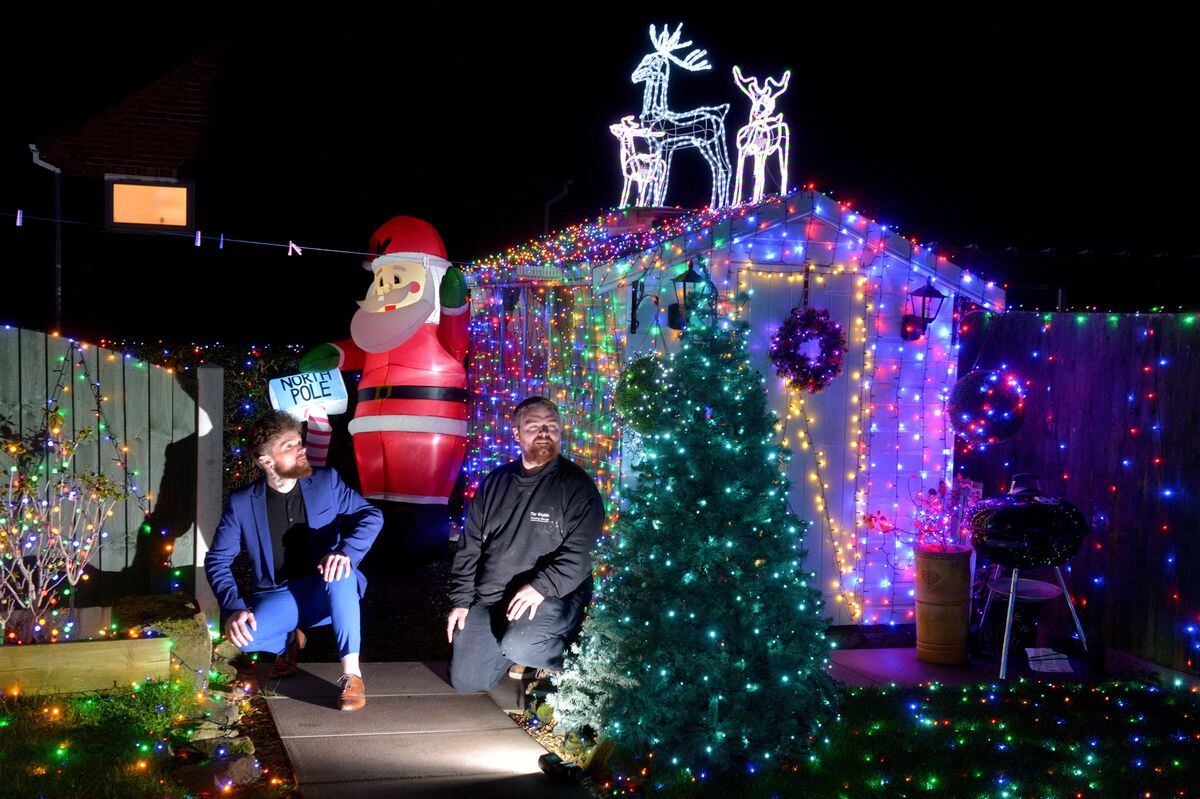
x=210 y=429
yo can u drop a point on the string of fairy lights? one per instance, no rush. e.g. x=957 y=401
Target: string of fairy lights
x=557 y=341
x=72 y=370
x=833 y=243
x=853 y=550
x=1139 y=471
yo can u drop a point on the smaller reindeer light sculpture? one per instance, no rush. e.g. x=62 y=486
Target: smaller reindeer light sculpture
x=766 y=133
x=647 y=169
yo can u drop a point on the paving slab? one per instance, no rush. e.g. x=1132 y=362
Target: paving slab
x=850 y=676
x=900 y=666
x=416 y=736
x=390 y=756
x=509 y=695
x=296 y=718
x=521 y=786
x=382 y=679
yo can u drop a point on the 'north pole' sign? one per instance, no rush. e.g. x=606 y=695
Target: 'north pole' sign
x=311 y=397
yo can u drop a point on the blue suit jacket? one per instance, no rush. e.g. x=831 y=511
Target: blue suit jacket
x=341 y=521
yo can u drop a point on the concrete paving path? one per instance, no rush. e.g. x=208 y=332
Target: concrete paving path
x=417 y=737
x=867 y=667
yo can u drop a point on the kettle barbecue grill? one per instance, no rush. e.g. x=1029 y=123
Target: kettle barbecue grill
x=1026 y=529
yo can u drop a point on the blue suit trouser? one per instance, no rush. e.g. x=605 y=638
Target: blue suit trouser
x=307 y=602
x=489 y=643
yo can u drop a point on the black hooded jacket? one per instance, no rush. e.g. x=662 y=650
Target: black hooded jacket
x=537 y=529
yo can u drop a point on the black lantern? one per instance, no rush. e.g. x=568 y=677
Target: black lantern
x=687 y=288
x=923 y=306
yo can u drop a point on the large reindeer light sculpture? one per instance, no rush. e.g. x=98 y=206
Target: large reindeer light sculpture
x=764 y=135
x=646 y=169
x=702 y=128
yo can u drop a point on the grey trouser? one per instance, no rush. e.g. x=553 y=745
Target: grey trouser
x=489 y=643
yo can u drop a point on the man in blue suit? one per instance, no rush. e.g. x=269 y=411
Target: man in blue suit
x=305 y=532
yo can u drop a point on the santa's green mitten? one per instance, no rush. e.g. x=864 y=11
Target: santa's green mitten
x=320 y=359
x=453 y=292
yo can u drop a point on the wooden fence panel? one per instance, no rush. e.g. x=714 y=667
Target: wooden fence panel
x=10 y=370
x=1110 y=425
x=112 y=459
x=144 y=434
x=32 y=377
x=183 y=454
x=137 y=438
x=161 y=435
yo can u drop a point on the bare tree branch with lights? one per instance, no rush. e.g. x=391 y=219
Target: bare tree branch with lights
x=51 y=524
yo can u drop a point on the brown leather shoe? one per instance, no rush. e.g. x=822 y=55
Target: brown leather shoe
x=286 y=665
x=354 y=692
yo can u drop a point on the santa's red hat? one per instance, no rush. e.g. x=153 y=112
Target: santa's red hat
x=407 y=237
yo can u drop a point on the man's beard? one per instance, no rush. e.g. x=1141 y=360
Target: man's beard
x=541 y=452
x=299 y=469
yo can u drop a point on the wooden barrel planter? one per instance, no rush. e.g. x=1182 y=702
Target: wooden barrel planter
x=71 y=666
x=943 y=603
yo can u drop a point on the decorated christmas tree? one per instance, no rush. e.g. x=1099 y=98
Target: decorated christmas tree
x=705 y=649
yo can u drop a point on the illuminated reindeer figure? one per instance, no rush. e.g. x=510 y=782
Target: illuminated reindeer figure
x=764 y=135
x=645 y=169
x=702 y=128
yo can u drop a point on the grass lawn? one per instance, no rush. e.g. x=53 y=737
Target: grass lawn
x=96 y=745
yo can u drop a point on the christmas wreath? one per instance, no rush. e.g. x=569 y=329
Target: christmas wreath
x=808 y=349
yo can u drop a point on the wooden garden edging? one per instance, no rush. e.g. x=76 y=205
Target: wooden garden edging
x=72 y=666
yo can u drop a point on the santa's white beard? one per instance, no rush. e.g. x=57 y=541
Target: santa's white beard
x=386 y=330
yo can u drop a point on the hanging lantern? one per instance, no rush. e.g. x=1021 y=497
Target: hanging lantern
x=923 y=306
x=687 y=286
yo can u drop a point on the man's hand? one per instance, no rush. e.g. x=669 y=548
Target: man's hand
x=527 y=598
x=334 y=566
x=457 y=618
x=238 y=627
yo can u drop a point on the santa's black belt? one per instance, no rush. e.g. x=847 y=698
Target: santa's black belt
x=413 y=393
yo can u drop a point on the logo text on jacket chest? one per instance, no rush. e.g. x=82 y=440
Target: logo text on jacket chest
x=539 y=517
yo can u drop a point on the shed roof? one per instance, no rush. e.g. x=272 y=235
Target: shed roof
x=802 y=230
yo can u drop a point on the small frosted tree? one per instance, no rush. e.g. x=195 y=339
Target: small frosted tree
x=705 y=648
x=51 y=523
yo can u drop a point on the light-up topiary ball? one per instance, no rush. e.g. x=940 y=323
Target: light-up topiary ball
x=987 y=406
x=638 y=395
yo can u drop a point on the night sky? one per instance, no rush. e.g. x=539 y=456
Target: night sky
x=1015 y=134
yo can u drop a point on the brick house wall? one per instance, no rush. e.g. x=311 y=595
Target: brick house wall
x=151 y=133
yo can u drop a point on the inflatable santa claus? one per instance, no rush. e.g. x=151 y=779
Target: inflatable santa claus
x=409 y=338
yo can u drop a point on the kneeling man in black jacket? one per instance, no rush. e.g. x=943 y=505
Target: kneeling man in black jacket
x=522 y=574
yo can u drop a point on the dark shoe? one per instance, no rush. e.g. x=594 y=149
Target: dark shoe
x=541 y=686
x=520 y=672
x=354 y=692
x=286 y=664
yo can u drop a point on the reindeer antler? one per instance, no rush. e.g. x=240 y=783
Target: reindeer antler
x=780 y=86
x=667 y=43
x=749 y=86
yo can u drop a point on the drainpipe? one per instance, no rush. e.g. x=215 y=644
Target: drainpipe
x=37 y=160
